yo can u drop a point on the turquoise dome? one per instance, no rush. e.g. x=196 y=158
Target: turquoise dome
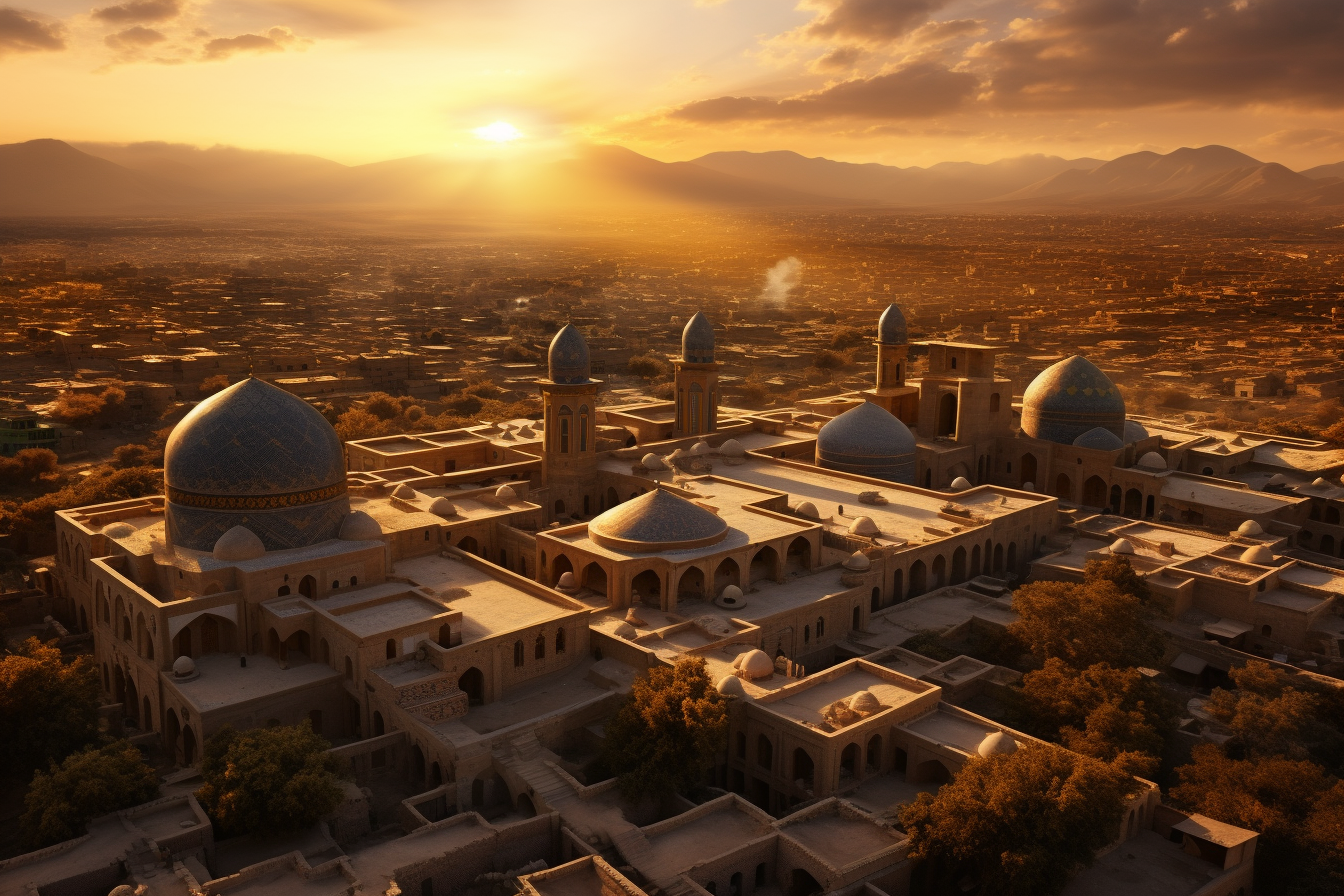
x=568 y=360
x=255 y=456
x=868 y=440
x=1070 y=398
x=697 y=340
x=891 y=328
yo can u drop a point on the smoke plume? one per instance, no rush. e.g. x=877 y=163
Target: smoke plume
x=781 y=279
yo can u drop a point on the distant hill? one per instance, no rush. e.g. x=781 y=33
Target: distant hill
x=943 y=184
x=49 y=177
x=1321 y=172
x=1207 y=176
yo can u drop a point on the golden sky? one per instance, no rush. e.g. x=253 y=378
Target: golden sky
x=907 y=82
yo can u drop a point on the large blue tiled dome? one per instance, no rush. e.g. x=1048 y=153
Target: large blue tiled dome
x=568 y=360
x=697 y=340
x=1070 y=398
x=869 y=441
x=891 y=328
x=255 y=456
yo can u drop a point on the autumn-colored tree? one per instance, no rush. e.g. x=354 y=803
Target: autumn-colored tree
x=358 y=423
x=268 y=780
x=648 y=366
x=1269 y=716
x=383 y=406
x=829 y=360
x=667 y=732
x=1083 y=625
x=82 y=408
x=1017 y=824
x=212 y=384
x=85 y=786
x=28 y=465
x=135 y=455
x=847 y=337
x=103 y=484
x=48 y=707
x=1117 y=570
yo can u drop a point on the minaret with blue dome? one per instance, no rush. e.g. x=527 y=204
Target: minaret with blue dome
x=569 y=405
x=696 y=380
x=893 y=349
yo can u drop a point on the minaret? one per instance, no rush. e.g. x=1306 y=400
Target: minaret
x=893 y=348
x=696 y=380
x=569 y=403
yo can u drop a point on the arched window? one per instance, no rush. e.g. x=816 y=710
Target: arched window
x=807 y=634
x=583 y=428
x=391 y=648
x=821 y=626
x=517 y=654
x=953 y=364
x=994 y=404
x=349 y=670
x=560 y=641
x=566 y=425
x=539 y=649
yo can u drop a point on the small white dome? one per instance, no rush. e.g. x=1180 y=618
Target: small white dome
x=652 y=461
x=997 y=742
x=864 y=525
x=506 y=494
x=119 y=530
x=625 y=630
x=359 y=526
x=960 y=484
x=184 y=666
x=441 y=506
x=1277 y=479
x=807 y=509
x=858 y=561
x=755 y=664
x=1321 y=482
x=731 y=596
x=238 y=544
x=732 y=448
x=865 y=701
x=1028 y=486
x=731 y=686
x=1259 y=555
x=1251 y=528
x=566 y=582
x=701 y=447
x=405 y=492
x=1122 y=546
x=1153 y=461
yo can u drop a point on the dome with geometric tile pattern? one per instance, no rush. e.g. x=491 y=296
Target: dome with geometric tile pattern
x=253 y=455
x=697 y=340
x=1070 y=398
x=891 y=329
x=567 y=360
x=657 y=521
x=867 y=439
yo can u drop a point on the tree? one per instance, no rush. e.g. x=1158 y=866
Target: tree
x=1018 y=824
x=79 y=408
x=28 y=465
x=212 y=384
x=358 y=423
x=829 y=360
x=669 y=729
x=102 y=485
x=383 y=406
x=647 y=366
x=1084 y=625
x=85 y=786
x=268 y=780
x=1268 y=716
x=847 y=337
x=134 y=455
x=1117 y=570
x=48 y=707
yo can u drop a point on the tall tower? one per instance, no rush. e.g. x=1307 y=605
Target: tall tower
x=893 y=348
x=569 y=403
x=697 y=380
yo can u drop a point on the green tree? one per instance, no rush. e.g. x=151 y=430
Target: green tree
x=268 y=780
x=85 y=786
x=662 y=738
x=48 y=707
x=1084 y=625
x=1017 y=824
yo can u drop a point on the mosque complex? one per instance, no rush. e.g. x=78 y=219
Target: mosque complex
x=459 y=611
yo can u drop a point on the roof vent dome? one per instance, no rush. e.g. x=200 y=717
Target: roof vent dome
x=1068 y=399
x=731 y=686
x=184 y=667
x=1259 y=555
x=701 y=448
x=997 y=742
x=1122 y=546
x=960 y=484
x=807 y=509
x=1321 y=482
x=238 y=544
x=1153 y=461
x=120 y=530
x=441 y=506
x=359 y=526
x=625 y=630
x=755 y=664
x=652 y=461
x=405 y=492
x=566 y=582
x=865 y=701
x=506 y=494
x=567 y=359
x=858 y=561
x=865 y=526
x=697 y=340
x=731 y=598
x=1250 y=528
x=732 y=448
x=1028 y=486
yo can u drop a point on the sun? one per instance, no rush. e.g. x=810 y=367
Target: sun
x=498 y=132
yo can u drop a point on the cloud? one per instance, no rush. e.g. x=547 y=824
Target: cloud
x=273 y=41
x=1127 y=53
x=839 y=59
x=921 y=90
x=1305 y=138
x=134 y=38
x=869 y=20
x=21 y=34
x=138 y=11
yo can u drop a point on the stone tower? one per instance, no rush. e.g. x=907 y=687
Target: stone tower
x=569 y=403
x=697 y=380
x=893 y=349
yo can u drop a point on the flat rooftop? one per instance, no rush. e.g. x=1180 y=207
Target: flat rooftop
x=684 y=845
x=807 y=700
x=840 y=838
x=950 y=729
x=489 y=605
x=1145 y=865
x=1223 y=497
x=223 y=682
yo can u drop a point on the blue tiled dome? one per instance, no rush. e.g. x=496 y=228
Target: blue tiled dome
x=1134 y=432
x=568 y=360
x=869 y=441
x=891 y=327
x=697 y=340
x=657 y=520
x=1069 y=398
x=254 y=456
x=1099 y=439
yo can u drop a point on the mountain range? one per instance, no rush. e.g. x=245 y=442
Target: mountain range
x=51 y=177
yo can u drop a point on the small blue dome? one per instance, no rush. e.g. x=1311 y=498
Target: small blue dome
x=869 y=441
x=568 y=359
x=1069 y=398
x=1099 y=439
x=697 y=340
x=891 y=327
x=255 y=456
x=1134 y=432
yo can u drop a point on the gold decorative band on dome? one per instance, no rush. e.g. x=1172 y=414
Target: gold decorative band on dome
x=256 y=502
